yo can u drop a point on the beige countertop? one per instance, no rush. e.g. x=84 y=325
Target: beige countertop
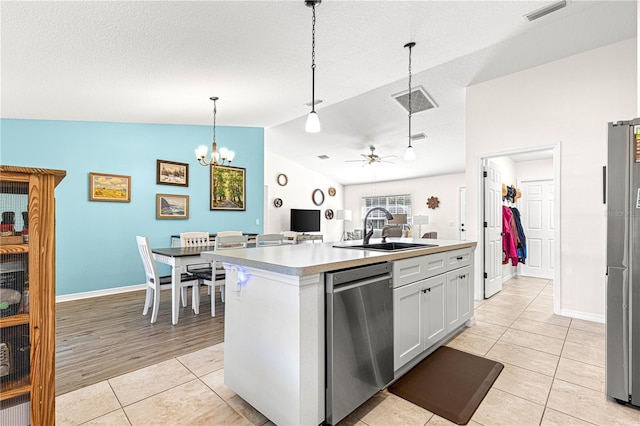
x=307 y=259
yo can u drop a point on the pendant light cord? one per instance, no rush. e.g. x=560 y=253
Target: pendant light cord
x=313 y=59
x=410 y=46
x=214 y=121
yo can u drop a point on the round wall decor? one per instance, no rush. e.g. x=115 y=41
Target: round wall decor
x=317 y=196
x=277 y=202
x=282 y=179
x=332 y=191
x=328 y=214
x=433 y=202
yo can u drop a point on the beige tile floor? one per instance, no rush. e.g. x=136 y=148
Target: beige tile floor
x=553 y=375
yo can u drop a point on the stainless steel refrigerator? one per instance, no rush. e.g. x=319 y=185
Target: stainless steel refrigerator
x=623 y=262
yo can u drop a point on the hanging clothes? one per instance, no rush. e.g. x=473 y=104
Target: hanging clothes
x=509 y=237
x=522 y=239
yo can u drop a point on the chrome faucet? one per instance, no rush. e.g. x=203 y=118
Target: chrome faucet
x=367 y=235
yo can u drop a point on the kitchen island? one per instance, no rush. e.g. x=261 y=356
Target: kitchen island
x=275 y=320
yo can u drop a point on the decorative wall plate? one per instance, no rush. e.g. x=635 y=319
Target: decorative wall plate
x=277 y=202
x=331 y=191
x=433 y=202
x=317 y=196
x=328 y=214
x=282 y=179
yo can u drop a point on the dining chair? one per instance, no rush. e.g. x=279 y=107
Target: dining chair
x=228 y=233
x=269 y=240
x=227 y=243
x=196 y=239
x=155 y=283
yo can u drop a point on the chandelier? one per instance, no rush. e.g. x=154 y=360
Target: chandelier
x=218 y=158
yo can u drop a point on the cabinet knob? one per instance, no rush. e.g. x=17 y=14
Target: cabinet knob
x=424 y=291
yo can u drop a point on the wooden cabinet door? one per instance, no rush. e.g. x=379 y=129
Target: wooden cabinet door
x=408 y=323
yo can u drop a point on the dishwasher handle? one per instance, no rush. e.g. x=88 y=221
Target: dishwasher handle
x=356 y=284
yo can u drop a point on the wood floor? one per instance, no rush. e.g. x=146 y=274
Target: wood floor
x=106 y=336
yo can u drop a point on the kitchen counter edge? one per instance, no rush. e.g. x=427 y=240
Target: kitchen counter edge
x=291 y=263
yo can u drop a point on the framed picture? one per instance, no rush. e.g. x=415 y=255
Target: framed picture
x=172 y=206
x=106 y=187
x=172 y=173
x=228 y=188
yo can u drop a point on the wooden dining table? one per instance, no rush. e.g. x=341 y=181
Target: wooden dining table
x=177 y=258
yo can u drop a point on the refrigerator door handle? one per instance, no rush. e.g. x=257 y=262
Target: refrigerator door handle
x=604 y=184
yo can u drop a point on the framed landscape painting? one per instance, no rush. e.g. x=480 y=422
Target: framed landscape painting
x=107 y=187
x=227 y=188
x=172 y=173
x=172 y=206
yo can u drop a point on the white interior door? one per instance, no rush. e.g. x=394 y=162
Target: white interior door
x=537 y=222
x=462 y=206
x=492 y=228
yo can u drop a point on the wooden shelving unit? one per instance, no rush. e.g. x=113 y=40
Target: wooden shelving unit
x=38 y=255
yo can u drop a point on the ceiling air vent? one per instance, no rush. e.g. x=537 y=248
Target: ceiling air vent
x=420 y=100
x=323 y=157
x=537 y=14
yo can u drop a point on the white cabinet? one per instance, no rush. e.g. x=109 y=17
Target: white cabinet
x=408 y=323
x=418 y=318
x=432 y=297
x=434 y=293
x=459 y=306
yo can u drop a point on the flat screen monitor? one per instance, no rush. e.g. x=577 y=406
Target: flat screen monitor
x=305 y=220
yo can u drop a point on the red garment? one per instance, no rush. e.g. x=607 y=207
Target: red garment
x=508 y=237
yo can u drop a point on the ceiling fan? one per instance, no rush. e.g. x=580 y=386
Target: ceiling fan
x=373 y=158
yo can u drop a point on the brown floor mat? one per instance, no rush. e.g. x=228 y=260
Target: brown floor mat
x=449 y=383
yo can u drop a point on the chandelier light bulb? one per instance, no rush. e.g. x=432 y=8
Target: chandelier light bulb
x=201 y=152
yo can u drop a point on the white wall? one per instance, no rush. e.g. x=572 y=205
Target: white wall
x=443 y=220
x=567 y=102
x=535 y=169
x=297 y=194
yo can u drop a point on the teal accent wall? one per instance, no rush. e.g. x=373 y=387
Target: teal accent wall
x=95 y=241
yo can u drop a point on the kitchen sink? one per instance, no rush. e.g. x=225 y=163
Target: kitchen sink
x=388 y=246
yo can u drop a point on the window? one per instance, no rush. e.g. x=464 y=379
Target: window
x=393 y=203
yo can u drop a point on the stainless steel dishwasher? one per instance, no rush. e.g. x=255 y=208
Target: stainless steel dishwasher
x=359 y=337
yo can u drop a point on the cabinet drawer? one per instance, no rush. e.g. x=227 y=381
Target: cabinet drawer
x=458 y=258
x=407 y=271
x=435 y=264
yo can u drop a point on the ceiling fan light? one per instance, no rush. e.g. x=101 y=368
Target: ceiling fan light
x=410 y=154
x=313 y=123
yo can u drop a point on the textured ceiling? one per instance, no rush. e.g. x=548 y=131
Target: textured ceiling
x=159 y=62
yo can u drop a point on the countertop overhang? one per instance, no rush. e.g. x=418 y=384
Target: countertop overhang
x=307 y=259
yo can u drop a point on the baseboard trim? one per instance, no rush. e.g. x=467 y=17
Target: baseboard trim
x=98 y=293
x=582 y=315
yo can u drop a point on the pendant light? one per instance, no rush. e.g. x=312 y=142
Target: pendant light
x=313 y=122
x=223 y=157
x=410 y=154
